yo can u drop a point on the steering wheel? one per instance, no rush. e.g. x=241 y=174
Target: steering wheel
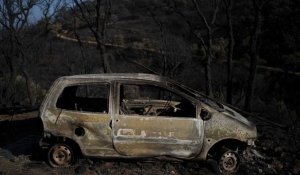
x=166 y=106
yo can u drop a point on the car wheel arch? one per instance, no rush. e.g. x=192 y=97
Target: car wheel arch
x=65 y=140
x=228 y=143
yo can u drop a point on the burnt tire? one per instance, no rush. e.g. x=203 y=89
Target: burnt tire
x=60 y=155
x=229 y=162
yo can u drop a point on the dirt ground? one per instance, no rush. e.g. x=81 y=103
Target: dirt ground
x=20 y=154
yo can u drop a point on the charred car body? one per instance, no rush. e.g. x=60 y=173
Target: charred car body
x=139 y=116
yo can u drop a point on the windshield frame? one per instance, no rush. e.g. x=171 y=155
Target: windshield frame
x=196 y=94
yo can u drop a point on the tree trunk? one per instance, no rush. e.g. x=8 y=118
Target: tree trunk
x=10 y=56
x=106 y=59
x=208 y=25
x=253 y=55
x=163 y=48
x=101 y=29
x=230 y=51
x=83 y=56
x=28 y=87
x=25 y=74
x=208 y=88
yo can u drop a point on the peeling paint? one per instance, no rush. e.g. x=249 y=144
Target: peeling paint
x=126 y=132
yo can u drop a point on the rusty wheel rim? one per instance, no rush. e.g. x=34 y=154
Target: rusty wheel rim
x=229 y=162
x=61 y=155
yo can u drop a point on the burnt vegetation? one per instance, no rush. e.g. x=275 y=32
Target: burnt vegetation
x=243 y=53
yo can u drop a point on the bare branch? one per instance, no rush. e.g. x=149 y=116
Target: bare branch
x=216 y=10
x=200 y=13
x=189 y=23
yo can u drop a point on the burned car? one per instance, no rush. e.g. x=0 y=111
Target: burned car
x=139 y=116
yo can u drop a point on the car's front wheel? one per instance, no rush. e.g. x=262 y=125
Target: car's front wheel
x=229 y=162
x=60 y=155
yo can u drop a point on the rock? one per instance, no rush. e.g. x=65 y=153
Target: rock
x=129 y=172
x=296 y=169
x=21 y=159
x=172 y=172
x=278 y=149
x=6 y=154
x=257 y=154
x=169 y=167
x=108 y=164
x=80 y=170
x=277 y=165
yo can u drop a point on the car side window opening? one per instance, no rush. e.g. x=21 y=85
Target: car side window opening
x=150 y=100
x=88 y=98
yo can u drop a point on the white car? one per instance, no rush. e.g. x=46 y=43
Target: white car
x=139 y=116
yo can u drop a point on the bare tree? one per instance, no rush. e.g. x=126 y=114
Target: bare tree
x=177 y=53
x=14 y=19
x=174 y=52
x=163 y=44
x=205 y=41
x=208 y=25
x=228 y=8
x=81 y=46
x=49 y=9
x=97 y=25
x=258 y=5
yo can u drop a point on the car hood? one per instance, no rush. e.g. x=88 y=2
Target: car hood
x=235 y=115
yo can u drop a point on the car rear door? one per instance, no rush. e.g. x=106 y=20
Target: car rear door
x=83 y=114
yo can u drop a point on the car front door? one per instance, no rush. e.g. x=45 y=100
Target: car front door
x=152 y=121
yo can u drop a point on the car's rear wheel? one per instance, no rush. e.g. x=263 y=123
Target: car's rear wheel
x=60 y=155
x=229 y=162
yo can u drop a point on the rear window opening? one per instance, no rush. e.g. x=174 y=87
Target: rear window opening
x=86 y=98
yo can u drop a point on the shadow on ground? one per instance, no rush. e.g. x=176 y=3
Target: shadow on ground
x=21 y=137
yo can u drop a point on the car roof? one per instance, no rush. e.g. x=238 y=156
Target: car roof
x=117 y=76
